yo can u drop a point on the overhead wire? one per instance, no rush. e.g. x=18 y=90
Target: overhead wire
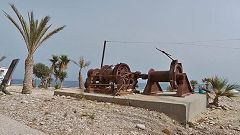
x=190 y=43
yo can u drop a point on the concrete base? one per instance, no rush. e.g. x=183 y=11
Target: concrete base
x=179 y=108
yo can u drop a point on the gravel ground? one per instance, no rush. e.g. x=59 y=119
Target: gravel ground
x=56 y=115
x=13 y=127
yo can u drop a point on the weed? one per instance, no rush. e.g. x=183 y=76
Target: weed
x=65 y=114
x=80 y=96
x=75 y=111
x=34 y=120
x=46 y=100
x=91 y=116
x=57 y=86
x=166 y=131
x=46 y=113
x=128 y=102
x=190 y=124
x=84 y=114
x=187 y=123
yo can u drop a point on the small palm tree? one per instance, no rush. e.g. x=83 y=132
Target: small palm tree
x=221 y=87
x=60 y=64
x=61 y=75
x=193 y=83
x=53 y=69
x=64 y=60
x=82 y=64
x=206 y=81
x=34 y=35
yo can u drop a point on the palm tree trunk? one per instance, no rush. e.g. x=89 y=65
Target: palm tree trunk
x=48 y=82
x=56 y=80
x=215 y=101
x=80 y=80
x=27 y=83
x=61 y=84
x=49 y=79
x=42 y=82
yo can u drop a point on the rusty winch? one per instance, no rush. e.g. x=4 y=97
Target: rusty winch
x=178 y=80
x=118 y=80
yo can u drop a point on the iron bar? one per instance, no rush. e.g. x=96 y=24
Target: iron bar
x=104 y=46
x=168 y=55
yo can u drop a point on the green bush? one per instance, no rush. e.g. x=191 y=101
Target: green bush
x=169 y=88
x=41 y=71
x=221 y=87
x=57 y=86
x=80 y=96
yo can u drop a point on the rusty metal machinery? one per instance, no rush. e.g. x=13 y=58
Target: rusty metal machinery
x=117 y=81
x=178 y=80
x=120 y=80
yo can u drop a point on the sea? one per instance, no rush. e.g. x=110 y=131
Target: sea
x=67 y=84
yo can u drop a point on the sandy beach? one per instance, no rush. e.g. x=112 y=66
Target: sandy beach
x=60 y=115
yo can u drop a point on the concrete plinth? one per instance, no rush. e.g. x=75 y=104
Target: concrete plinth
x=179 y=108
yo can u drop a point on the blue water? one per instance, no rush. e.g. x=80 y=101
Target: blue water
x=65 y=83
x=141 y=86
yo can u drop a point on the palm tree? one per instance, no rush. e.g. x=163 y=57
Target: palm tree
x=53 y=69
x=82 y=64
x=61 y=75
x=193 y=84
x=64 y=60
x=60 y=65
x=34 y=34
x=206 y=88
x=221 y=87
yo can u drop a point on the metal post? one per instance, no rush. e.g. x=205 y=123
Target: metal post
x=8 y=75
x=104 y=46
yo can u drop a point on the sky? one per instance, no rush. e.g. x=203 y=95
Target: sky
x=215 y=24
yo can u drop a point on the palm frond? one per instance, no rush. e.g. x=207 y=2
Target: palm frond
x=231 y=87
x=62 y=75
x=51 y=33
x=37 y=42
x=54 y=59
x=26 y=31
x=218 y=92
x=33 y=34
x=75 y=62
x=87 y=63
x=218 y=83
x=41 y=29
x=228 y=94
x=82 y=63
x=16 y=25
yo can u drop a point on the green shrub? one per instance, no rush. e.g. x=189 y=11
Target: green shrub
x=80 y=96
x=57 y=86
x=41 y=71
x=221 y=87
x=169 y=88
